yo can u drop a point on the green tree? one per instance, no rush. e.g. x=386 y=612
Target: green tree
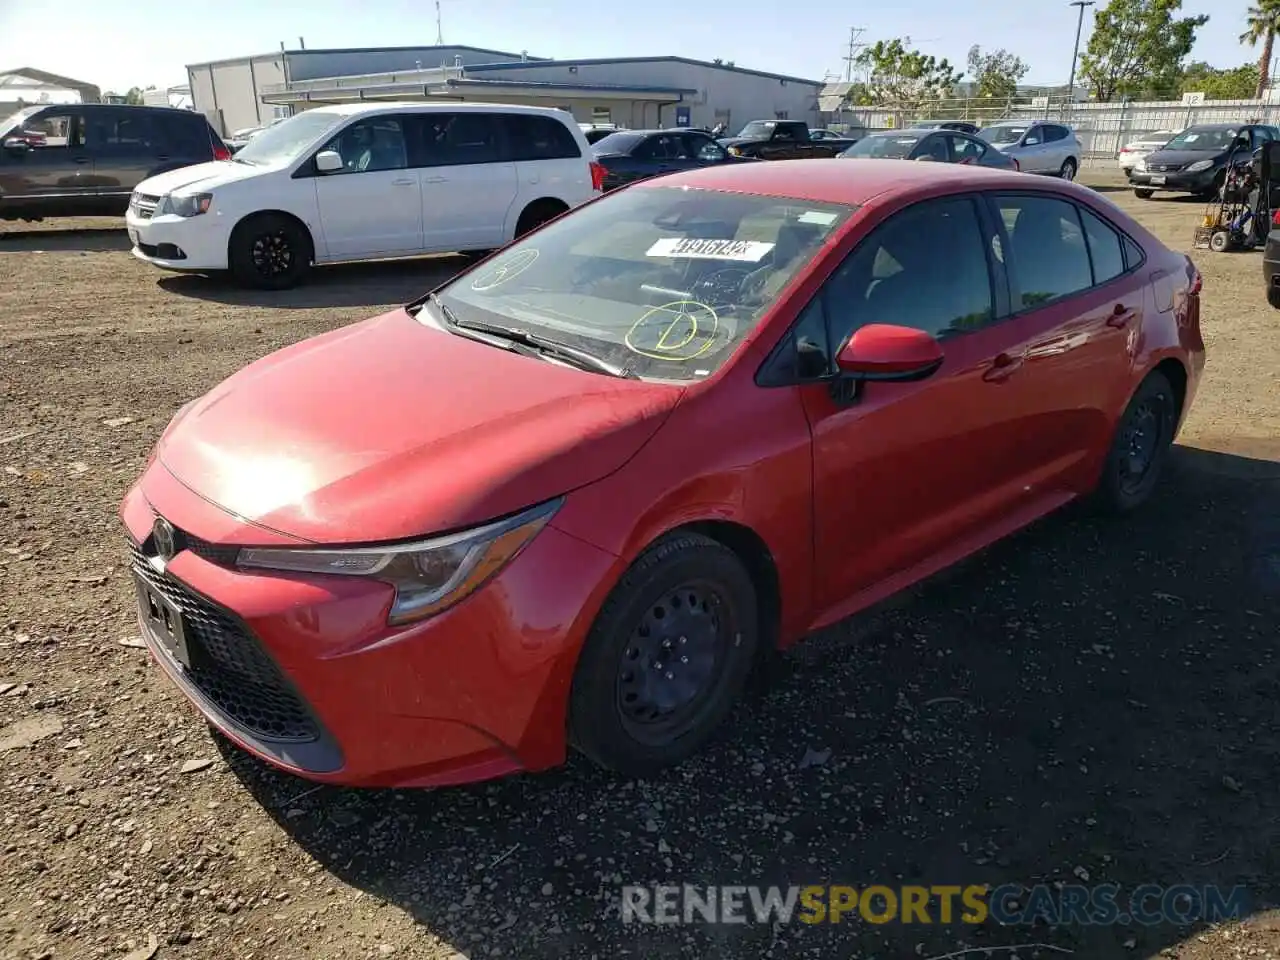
x=1137 y=49
x=996 y=74
x=1262 y=23
x=1238 y=83
x=902 y=77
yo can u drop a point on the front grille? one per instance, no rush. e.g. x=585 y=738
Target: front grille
x=228 y=665
x=144 y=205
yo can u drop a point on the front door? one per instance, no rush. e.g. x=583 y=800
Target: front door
x=52 y=163
x=469 y=181
x=372 y=206
x=910 y=470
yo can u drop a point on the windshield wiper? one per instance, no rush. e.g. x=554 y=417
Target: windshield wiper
x=544 y=345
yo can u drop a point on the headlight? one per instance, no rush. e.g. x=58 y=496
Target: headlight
x=430 y=575
x=734 y=151
x=186 y=206
x=1199 y=165
x=1140 y=163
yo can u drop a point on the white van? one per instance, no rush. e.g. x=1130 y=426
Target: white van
x=365 y=181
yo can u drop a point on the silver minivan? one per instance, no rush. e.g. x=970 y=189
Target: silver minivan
x=1040 y=146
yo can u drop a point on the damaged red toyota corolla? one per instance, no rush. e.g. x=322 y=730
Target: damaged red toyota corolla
x=571 y=497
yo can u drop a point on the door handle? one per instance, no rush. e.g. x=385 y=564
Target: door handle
x=1002 y=368
x=1120 y=316
x=403 y=183
x=436 y=180
x=162 y=157
x=80 y=159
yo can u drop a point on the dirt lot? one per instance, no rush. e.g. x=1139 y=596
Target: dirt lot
x=1090 y=700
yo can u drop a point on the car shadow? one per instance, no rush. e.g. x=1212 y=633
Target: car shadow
x=365 y=284
x=87 y=240
x=1089 y=702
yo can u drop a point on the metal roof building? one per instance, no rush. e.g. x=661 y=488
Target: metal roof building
x=627 y=91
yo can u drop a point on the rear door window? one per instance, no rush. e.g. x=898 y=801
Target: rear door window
x=536 y=137
x=122 y=132
x=457 y=139
x=1106 y=252
x=1050 y=258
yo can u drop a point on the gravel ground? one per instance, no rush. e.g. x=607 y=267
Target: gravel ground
x=1088 y=700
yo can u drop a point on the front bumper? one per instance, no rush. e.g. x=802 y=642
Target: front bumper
x=303 y=671
x=180 y=243
x=1271 y=260
x=1176 y=181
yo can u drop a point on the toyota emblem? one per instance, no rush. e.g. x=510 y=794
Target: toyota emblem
x=166 y=540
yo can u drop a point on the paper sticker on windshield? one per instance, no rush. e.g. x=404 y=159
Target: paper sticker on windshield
x=817 y=218
x=1191 y=138
x=744 y=251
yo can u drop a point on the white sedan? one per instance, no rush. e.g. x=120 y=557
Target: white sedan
x=1135 y=150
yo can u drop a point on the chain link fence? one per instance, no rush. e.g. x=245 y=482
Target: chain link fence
x=1103 y=128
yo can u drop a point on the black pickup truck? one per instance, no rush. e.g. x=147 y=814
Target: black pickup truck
x=782 y=140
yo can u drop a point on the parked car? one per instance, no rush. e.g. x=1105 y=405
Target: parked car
x=632 y=155
x=1195 y=161
x=1039 y=146
x=964 y=126
x=239 y=138
x=1137 y=149
x=358 y=181
x=782 y=140
x=823 y=134
x=595 y=132
x=946 y=146
x=575 y=494
x=84 y=159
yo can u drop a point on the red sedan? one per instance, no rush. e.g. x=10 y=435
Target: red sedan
x=571 y=497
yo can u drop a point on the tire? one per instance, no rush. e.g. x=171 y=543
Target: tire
x=270 y=251
x=1143 y=194
x=1273 y=296
x=1214 y=191
x=1220 y=241
x=536 y=214
x=1069 y=169
x=626 y=712
x=1153 y=407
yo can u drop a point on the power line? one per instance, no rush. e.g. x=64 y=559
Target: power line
x=854 y=47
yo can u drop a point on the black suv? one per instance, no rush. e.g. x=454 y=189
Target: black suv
x=1195 y=161
x=84 y=159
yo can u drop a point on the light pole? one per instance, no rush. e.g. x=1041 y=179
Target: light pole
x=1075 y=56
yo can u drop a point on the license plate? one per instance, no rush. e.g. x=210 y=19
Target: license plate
x=133 y=236
x=1158 y=178
x=165 y=622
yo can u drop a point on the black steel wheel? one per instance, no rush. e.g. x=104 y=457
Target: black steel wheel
x=667 y=657
x=1140 y=446
x=270 y=252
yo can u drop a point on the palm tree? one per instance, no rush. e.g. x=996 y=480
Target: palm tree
x=1263 y=23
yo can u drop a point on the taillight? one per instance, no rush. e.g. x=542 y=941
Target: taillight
x=1195 y=281
x=1275 y=219
x=220 y=152
x=597 y=176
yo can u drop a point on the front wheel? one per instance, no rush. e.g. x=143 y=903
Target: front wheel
x=1140 y=446
x=270 y=252
x=1144 y=194
x=1273 y=296
x=667 y=657
x=1068 y=169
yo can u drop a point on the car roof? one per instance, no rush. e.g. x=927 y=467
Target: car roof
x=1223 y=126
x=838 y=181
x=96 y=107
x=406 y=106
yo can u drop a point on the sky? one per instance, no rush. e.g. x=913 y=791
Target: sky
x=118 y=45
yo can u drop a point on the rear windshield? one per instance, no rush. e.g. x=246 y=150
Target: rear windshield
x=663 y=281
x=617 y=143
x=1203 y=138
x=884 y=147
x=1003 y=133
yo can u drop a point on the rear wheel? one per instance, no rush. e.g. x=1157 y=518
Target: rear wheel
x=1069 y=168
x=667 y=657
x=1140 y=446
x=270 y=251
x=538 y=213
x=1144 y=194
x=1273 y=296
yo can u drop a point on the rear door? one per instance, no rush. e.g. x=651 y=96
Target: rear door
x=125 y=146
x=1034 y=155
x=549 y=162
x=372 y=206
x=1077 y=305
x=469 y=182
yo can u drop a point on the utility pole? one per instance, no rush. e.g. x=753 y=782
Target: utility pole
x=439 y=27
x=1075 y=55
x=854 y=47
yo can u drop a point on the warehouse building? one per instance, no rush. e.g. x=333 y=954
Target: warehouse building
x=631 y=92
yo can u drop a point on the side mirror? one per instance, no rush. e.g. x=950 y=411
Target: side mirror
x=1031 y=142
x=881 y=351
x=16 y=145
x=328 y=161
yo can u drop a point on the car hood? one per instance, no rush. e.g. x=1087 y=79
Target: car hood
x=206 y=176
x=390 y=429
x=1182 y=157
